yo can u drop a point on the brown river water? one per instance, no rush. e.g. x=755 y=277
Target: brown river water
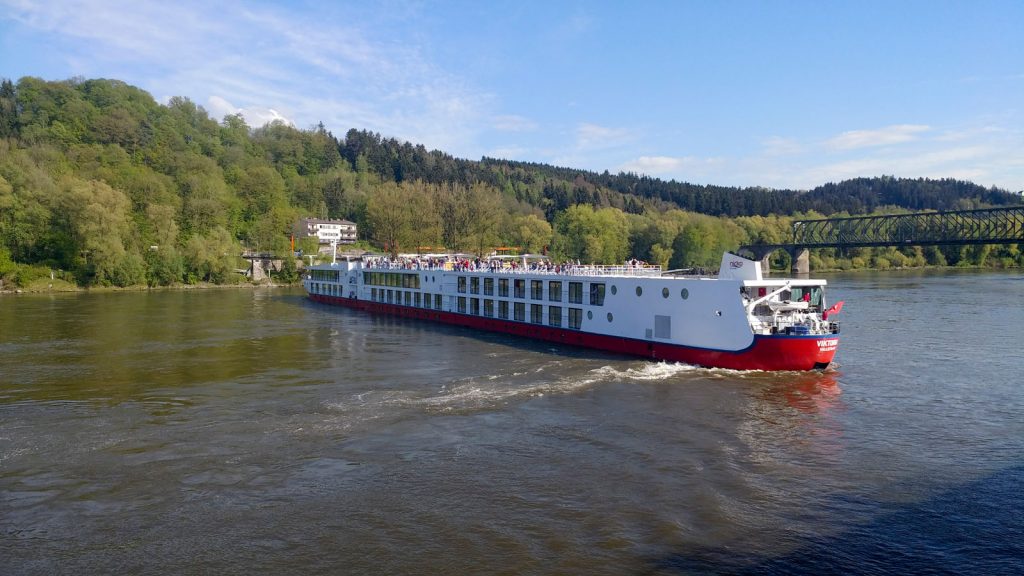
x=255 y=432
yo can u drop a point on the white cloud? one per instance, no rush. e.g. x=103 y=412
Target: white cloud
x=653 y=164
x=979 y=163
x=687 y=168
x=509 y=153
x=881 y=137
x=986 y=153
x=267 y=63
x=589 y=136
x=513 y=123
x=779 y=146
x=219 y=107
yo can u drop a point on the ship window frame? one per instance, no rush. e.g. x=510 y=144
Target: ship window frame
x=575 y=318
x=503 y=309
x=554 y=290
x=488 y=286
x=536 y=313
x=460 y=285
x=597 y=293
x=576 y=292
x=555 y=316
x=474 y=284
x=519 y=311
x=503 y=287
x=488 y=308
x=536 y=289
x=461 y=304
x=519 y=288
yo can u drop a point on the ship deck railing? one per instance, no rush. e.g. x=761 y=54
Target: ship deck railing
x=552 y=269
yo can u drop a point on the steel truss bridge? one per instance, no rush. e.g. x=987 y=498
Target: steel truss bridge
x=985 y=226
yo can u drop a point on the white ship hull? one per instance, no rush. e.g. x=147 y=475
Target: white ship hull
x=733 y=321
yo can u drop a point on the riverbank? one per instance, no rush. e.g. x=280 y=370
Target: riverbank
x=61 y=286
x=46 y=286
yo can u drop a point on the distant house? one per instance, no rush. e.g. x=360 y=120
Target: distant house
x=327 y=231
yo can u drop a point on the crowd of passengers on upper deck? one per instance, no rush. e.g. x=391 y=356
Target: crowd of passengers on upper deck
x=505 y=265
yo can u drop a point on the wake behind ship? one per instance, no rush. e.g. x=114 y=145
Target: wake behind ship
x=738 y=320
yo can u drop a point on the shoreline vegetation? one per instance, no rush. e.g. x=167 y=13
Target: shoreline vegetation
x=64 y=287
x=102 y=186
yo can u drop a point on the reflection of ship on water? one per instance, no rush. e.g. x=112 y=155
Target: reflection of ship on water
x=819 y=393
x=793 y=419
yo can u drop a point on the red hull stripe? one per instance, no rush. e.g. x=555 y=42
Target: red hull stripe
x=766 y=353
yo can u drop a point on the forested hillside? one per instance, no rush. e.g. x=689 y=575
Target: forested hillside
x=102 y=185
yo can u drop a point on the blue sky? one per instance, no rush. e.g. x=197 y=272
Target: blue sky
x=780 y=94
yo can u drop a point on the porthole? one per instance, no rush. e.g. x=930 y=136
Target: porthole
x=609 y=316
x=664 y=292
x=684 y=293
x=614 y=289
x=639 y=291
x=590 y=314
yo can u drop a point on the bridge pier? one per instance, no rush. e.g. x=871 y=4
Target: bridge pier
x=801 y=261
x=762 y=254
x=799 y=257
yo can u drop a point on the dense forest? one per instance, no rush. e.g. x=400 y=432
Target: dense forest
x=102 y=185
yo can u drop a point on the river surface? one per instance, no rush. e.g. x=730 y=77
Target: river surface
x=254 y=432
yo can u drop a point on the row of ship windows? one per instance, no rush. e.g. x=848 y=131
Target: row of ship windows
x=396 y=279
x=575 y=296
x=485 y=307
x=554 y=289
x=416 y=299
x=324 y=275
x=328 y=288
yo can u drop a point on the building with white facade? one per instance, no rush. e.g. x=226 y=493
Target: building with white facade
x=328 y=231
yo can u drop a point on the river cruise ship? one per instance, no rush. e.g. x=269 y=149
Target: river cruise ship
x=737 y=319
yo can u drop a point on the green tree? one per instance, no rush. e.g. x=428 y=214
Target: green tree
x=483 y=213
x=389 y=214
x=531 y=233
x=599 y=237
x=9 y=126
x=212 y=257
x=98 y=217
